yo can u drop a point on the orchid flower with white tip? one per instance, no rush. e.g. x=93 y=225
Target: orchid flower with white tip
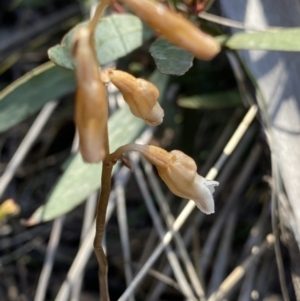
x=178 y=171
x=140 y=95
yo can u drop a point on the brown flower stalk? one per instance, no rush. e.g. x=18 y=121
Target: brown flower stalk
x=91 y=114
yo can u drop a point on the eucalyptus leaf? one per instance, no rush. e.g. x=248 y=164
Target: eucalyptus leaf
x=29 y=93
x=281 y=40
x=217 y=100
x=80 y=179
x=171 y=59
x=115 y=36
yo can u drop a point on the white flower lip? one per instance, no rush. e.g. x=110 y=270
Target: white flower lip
x=155 y=116
x=140 y=95
x=211 y=185
x=204 y=194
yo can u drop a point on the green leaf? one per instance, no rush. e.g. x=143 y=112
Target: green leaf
x=282 y=40
x=217 y=100
x=115 y=36
x=171 y=59
x=29 y=93
x=80 y=179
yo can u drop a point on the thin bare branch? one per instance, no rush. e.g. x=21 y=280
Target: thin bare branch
x=49 y=259
x=123 y=229
x=237 y=274
x=234 y=24
x=222 y=259
x=235 y=139
x=181 y=279
x=88 y=218
x=232 y=200
x=26 y=144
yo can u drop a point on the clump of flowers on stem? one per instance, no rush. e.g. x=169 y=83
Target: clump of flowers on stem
x=175 y=168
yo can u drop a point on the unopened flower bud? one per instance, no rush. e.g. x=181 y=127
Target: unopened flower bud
x=176 y=29
x=91 y=111
x=179 y=172
x=140 y=95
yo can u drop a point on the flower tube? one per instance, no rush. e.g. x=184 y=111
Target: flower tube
x=176 y=29
x=140 y=95
x=91 y=110
x=178 y=171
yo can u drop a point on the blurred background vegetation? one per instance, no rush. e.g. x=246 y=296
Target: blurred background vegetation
x=44 y=183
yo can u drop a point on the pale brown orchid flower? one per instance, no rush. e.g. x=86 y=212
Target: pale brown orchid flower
x=178 y=171
x=175 y=28
x=91 y=109
x=140 y=95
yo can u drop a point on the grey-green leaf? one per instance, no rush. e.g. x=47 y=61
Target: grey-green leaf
x=30 y=92
x=79 y=179
x=171 y=59
x=282 y=40
x=115 y=36
x=217 y=100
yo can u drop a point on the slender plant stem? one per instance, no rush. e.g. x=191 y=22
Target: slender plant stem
x=105 y=187
x=98 y=13
x=100 y=223
x=157 y=156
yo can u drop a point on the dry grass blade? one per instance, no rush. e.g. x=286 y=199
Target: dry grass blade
x=162 y=278
x=123 y=229
x=181 y=279
x=152 y=239
x=247 y=285
x=169 y=218
x=48 y=263
x=235 y=139
x=258 y=230
x=7 y=176
x=158 y=289
x=52 y=247
x=232 y=200
x=223 y=255
x=236 y=275
x=231 y=23
x=224 y=136
x=265 y=274
x=256 y=236
x=25 y=236
x=26 y=144
x=88 y=219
